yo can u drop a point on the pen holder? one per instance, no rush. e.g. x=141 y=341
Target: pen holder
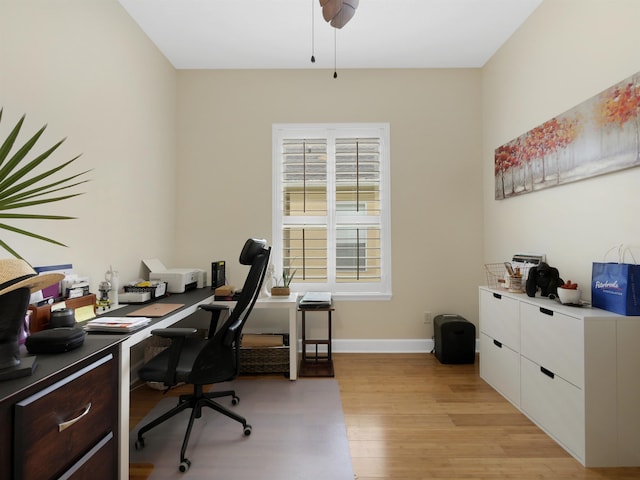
x=515 y=284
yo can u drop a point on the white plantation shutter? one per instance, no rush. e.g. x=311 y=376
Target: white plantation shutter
x=331 y=207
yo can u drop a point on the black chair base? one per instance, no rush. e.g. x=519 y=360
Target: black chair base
x=195 y=401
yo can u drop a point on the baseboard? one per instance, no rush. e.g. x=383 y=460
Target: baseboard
x=385 y=345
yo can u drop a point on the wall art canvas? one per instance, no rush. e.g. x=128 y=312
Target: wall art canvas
x=601 y=135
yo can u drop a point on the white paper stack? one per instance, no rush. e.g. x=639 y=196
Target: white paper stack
x=117 y=324
x=316 y=300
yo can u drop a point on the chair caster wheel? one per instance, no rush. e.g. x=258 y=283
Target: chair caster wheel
x=139 y=444
x=235 y=400
x=247 y=430
x=184 y=465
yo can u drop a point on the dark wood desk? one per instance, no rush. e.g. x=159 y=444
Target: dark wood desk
x=54 y=370
x=54 y=375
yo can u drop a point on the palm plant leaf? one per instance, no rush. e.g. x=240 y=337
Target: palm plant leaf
x=9 y=249
x=7 y=180
x=36 y=202
x=25 y=216
x=19 y=190
x=30 y=234
x=41 y=190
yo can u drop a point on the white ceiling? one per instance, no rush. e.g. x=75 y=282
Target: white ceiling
x=274 y=34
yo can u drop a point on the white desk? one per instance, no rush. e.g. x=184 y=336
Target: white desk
x=191 y=300
x=289 y=303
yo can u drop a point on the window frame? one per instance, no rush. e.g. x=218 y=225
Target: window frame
x=381 y=290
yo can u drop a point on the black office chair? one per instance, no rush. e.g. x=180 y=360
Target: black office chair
x=205 y=361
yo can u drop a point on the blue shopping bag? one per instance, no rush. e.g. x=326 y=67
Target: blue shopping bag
x=615 y=287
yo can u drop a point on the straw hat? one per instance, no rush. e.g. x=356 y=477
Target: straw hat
x=16 y=273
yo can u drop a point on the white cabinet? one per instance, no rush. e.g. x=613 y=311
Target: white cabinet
x=573 y=369
x=500 y=344
x=500 y=367
x=554 y=341
x=555 y=405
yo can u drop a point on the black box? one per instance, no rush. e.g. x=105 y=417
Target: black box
x=218 y=274
x=454 y=339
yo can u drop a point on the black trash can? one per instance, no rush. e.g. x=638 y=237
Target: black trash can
x=454 y=338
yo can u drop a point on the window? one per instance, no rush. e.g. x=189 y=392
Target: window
x=331 y=208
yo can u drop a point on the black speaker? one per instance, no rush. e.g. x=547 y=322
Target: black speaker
x=218 y=275
x=454 y=339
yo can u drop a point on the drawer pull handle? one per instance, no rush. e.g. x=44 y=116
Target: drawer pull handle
x=497 y=343
x=64 y=425
x=497 y=295
x=546 y=311
x=548 y=373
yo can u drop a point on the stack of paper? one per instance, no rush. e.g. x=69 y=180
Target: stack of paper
x=316 y=300
x=117 y=324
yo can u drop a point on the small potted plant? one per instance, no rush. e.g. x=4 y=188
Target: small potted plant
x=283 y=290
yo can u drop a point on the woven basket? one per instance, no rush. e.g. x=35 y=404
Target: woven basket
x=265 y=359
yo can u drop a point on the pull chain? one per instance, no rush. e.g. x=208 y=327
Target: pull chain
x=313 y=39
x=335 y=50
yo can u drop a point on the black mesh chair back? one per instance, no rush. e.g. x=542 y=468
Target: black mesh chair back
x=219 y=360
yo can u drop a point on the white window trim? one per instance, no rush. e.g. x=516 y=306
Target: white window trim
x=365 y=291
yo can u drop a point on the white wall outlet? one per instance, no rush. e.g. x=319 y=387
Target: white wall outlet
x=428 y=318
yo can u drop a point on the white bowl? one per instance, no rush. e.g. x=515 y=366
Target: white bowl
x=567 y=295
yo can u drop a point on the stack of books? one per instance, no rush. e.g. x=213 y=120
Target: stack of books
x=117 y=324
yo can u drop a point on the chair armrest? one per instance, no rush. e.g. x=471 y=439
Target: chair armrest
x=174 y=332
x=215 y=310
x=211 y=307
x=178 y=335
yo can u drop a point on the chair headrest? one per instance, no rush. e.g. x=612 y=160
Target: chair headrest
x=252 y=248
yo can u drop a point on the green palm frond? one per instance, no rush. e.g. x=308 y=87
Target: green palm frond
x=19 y=190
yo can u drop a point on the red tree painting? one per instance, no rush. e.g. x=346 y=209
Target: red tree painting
x=599 y=136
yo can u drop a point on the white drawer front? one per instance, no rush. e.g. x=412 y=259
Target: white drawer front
x=499 y=318
x=500 y=368
x=554 y=341
x=556 y=406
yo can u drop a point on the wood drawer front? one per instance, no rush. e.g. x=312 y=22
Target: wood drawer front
x=100 y=463
x=45 y=446
x=499 y=318
x=554 y=341
x=556 y=406
x=500 y=368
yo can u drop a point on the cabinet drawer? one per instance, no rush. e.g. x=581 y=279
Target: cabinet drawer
x=100 y=463
x=500 y=368
x=56 y=427
x=555 y=405
x=554 y=341
x=499 y=318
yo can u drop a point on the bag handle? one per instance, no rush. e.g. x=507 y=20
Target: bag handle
x=622 y=251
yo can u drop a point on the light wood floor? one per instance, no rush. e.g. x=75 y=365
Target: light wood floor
x=409 y=417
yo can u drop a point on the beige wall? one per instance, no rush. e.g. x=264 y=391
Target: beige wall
x=224 y=190
x=568 y=51
x=182 y=160
x=87 y=70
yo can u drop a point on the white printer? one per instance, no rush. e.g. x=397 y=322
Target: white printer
x=178 y=279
